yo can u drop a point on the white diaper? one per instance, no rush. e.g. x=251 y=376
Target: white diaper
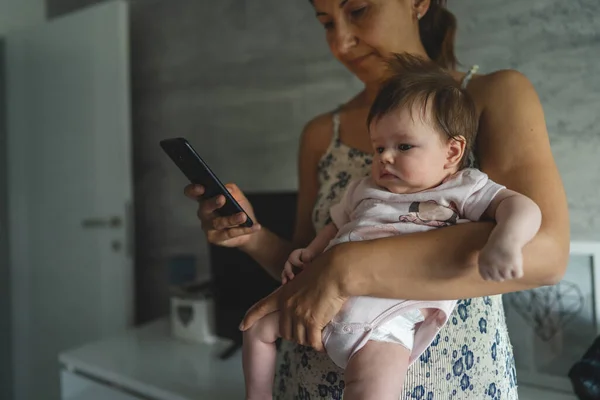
x=399 y=330
x=385 y=320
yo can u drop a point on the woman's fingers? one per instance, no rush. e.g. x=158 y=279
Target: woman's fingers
x=265 y=306
x=286 y=325
x=224 y=230
x=218 y=236
x=305 y=304
x=220 y=223
x=314 y=336
x=299 y=330
x=209 y=206
x=193 y=191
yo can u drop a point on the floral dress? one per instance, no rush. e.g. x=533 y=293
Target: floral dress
x=471 y=357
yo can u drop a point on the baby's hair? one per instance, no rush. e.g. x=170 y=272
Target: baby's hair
x=416 y=81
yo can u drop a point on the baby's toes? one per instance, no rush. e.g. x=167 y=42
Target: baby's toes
x=486 y=272
x=494 y=274
x=503 y=273
x=517 y=272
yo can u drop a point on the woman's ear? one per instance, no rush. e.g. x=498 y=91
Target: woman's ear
x=420 y=7
x=456 y=150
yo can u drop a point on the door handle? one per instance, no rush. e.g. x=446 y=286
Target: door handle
x=113 y=222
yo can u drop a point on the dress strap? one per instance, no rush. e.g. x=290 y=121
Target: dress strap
x=473 y=163
x=468 y=76
x=336 y=123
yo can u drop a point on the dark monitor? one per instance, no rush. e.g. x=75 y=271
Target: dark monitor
x=238 y=280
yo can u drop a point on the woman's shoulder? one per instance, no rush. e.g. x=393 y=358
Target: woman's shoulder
x=320 y=123
x=500 y=84
x=317 y=133
x=499 y=78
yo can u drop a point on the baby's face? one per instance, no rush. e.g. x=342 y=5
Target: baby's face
x=409 y=155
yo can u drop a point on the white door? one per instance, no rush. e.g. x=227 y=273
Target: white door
x=69 y=189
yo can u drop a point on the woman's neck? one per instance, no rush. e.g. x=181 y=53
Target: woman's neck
x=365 y=98
x=369 y=93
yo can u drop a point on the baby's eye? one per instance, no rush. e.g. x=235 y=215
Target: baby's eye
x=379 y=150
x=405 y=147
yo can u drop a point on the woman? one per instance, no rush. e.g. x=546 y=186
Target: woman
x=472 y=356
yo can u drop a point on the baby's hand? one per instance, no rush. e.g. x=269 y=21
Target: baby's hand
x=501 y=261
x=296 y=259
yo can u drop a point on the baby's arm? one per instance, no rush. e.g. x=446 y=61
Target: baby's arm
x=301 y=256
x=518 y=220
x=320 y=242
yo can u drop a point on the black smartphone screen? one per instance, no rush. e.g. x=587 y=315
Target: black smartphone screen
x=198 y=172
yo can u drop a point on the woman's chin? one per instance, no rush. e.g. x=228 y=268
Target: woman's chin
x=369 y=78
x=368 y=75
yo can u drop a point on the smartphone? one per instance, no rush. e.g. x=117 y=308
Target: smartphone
x=197 y=171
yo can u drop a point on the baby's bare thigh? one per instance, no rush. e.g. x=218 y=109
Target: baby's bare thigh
x=379 y=365
x=265 y=329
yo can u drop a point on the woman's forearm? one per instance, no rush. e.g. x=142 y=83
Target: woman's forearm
x=270 y=251
x=440 y=264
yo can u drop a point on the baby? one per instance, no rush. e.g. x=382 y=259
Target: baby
x=422 y=125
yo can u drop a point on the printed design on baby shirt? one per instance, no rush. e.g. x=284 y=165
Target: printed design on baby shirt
x=431 y=213
x=372 y=232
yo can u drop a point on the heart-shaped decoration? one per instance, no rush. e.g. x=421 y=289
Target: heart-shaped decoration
x=185 y=314
x=547 y=309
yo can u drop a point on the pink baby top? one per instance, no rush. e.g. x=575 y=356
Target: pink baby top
x=366 y=212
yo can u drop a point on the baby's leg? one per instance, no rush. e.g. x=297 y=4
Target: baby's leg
x=259 y=357
x=377 y=371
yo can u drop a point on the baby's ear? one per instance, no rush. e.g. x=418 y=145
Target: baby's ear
x=455 y=151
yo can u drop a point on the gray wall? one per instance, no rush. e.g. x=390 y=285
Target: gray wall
x=241 y=99
x=5 y=305
x=240 y=79
x=557 y=45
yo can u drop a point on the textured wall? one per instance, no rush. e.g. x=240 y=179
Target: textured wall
x=17 y=14
x=240 y=79
x=557 y=45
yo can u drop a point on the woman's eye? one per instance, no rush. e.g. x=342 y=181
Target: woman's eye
x=379 y=150
x=328 y=25
x=404 y=147
x=358 y=12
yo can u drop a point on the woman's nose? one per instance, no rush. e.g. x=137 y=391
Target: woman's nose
x=345 y=38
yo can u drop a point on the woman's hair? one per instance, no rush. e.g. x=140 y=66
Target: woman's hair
x=420 y=83
x=437 y=29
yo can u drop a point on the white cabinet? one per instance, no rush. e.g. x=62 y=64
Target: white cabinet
x=76 y=387
x=148 y=363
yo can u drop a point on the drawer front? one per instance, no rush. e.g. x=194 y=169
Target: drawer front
x=77 y=387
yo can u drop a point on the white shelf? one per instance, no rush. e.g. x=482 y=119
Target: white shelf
x=149 y=362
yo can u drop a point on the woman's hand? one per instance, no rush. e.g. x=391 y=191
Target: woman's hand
x=306 y=304
x=224 y=231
